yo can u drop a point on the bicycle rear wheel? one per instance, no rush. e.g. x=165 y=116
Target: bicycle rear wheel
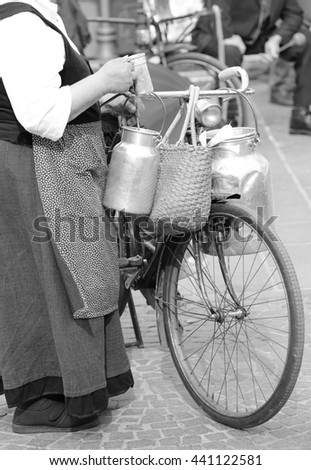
x=202 y=70
x=233 y=318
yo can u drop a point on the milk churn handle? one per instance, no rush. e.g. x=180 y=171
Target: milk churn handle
x=244 y=97
x=127 y=98
x=123 y=118
x=163 y=107
x=113 y=97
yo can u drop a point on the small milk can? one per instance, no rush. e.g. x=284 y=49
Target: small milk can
x=133 y=169
x=238 y=168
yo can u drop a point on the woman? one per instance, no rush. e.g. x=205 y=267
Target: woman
x=62 y=352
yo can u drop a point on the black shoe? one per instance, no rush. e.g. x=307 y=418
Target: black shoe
x=48 y=415
x=300 y=122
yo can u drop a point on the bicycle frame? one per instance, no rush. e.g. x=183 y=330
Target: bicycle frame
x=141 y=254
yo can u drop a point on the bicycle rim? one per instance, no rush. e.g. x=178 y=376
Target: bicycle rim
x=234 y=318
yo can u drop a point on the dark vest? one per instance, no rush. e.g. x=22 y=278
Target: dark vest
x=75 y=68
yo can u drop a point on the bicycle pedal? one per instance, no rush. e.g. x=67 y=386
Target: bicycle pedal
x=132 y=262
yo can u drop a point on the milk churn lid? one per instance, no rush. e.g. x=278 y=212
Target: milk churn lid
x=237 y=133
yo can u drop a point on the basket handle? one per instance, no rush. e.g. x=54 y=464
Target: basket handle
x=194 y=93
x=172 y=125
x=177 y=119
x=192 y=117
x=188 y=115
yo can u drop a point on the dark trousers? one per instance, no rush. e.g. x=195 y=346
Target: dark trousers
x=299 y=55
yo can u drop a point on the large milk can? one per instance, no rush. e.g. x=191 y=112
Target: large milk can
x=132 y=175
x=238 y=168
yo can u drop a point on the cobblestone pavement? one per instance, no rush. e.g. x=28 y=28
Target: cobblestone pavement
x=158 y=413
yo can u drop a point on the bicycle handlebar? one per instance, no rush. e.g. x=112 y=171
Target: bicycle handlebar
x=220 y=92
x=226 y=74
x=184 y=94
x=233 y=72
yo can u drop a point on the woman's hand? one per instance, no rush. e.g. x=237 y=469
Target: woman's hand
x=119 y=74
x=237 y=41
x=272 y=47
x=126 y=105
x=116 y=76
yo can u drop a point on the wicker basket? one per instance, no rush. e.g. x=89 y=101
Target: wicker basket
x=183 y=195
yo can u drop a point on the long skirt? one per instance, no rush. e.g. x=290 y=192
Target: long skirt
x=44 y=351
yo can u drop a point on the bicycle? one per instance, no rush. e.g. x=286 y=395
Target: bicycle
x=178 y=54
x=232 y=319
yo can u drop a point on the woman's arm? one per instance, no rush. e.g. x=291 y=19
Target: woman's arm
x=292 y=17
x=30 y=69
x=115 y=76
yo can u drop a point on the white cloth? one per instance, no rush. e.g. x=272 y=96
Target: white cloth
x=31 y=57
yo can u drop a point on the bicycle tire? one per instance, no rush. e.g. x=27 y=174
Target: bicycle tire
x=240 y=365
x=191 y=65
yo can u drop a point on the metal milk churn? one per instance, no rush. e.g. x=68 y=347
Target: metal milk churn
x=238 y=168
x=133 y=169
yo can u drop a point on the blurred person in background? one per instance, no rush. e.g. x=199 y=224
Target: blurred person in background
x=306 y=7
x=282 y=76
x=264 y=27
x=75 y=23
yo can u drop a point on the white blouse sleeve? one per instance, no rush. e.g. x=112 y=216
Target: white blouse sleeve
x=31 y=57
